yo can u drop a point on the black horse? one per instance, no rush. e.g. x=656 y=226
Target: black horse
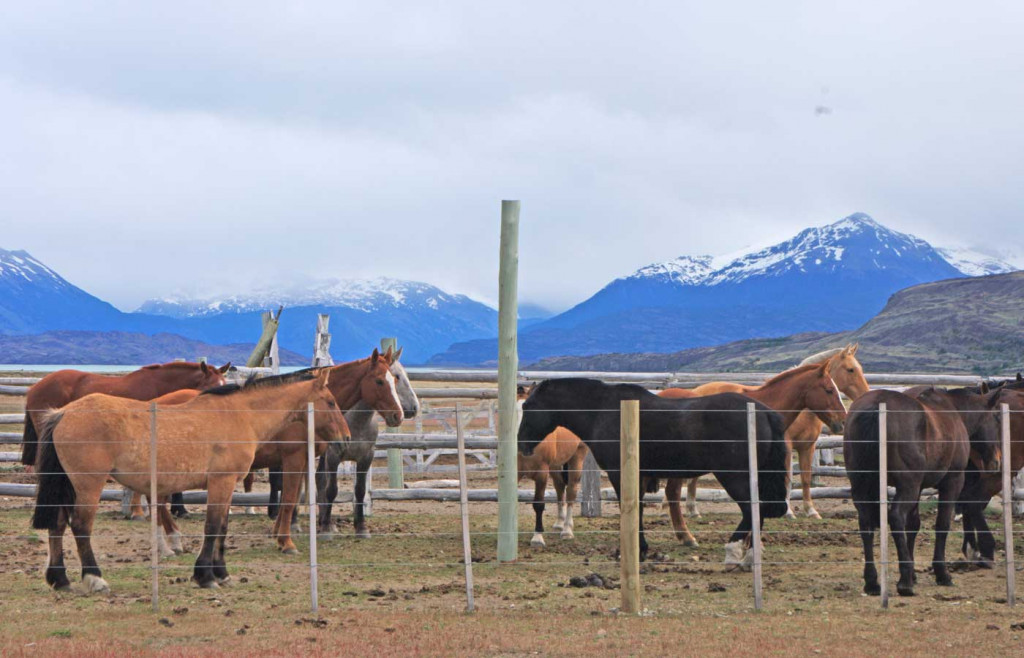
x=930 y=434
x=683 y=438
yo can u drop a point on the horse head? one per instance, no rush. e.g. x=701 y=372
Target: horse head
x=848 y=374
x=822 y=397
x=204 y=376
x=378 y=388
x=406 y=395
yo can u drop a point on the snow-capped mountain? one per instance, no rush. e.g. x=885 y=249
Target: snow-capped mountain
x=367 y=295
x=972 y=262
x=827 y=278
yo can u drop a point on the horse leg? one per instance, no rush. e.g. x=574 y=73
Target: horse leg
x=170 y=528
x=572 y=473
x=899 y=511
x=178 y=505
x=247 y=488
x=294 y=467
x=913 y=528
x=691 y=499
x=789 y=479
x=867 y=520
x=218 y=502
x=540 y=485
x=737 y=553
x=162 y=535
x=359 y=517
x=137 y=513
x=326 y=494
x=56 y=572
x=949 y=489
x=806 y=456
x=673 y=492
x=559 y=481
x=274 y=475
x=220 y=567
x=984 y=544
x=86 y=504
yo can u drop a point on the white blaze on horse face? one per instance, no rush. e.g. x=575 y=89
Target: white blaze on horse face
x=394 y=390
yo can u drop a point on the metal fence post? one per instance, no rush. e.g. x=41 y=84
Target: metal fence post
x=629 y=503
x=755 y=503
x=311 y=503
x=883 y=496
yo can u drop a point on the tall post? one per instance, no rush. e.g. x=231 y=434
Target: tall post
x=883 y=496
x=322 y=342
x=590 y=488
x=1011 y=597
x=314 y=580
x=396 y=475
x=467 y=550
x=629 y=504
x=154 y=549
x=266 y=338
x=755 y=503
x=508 y=365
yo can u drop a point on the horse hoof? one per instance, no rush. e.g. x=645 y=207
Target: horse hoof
x=537 y=541
x=905 y=590
x=95 y=585
x=789 y=514
x=873 y=590
x=362 y=533
x=251 y=511
x=558 y=526
x=813 y=514
x=225 y=581
x=290 y=551
x=690 y=542
x=957 y=518
x=944 y=582
x=567 y=534
x=210 y=584
x=325 y=536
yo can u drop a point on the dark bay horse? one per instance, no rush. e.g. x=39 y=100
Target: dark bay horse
x=982 y=483
x=678 y=439
x=208 y=443
x=791 y=393
x=363 y=423
x=59 y=388
x=929 y=445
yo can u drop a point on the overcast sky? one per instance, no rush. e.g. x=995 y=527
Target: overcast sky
x=150 y=148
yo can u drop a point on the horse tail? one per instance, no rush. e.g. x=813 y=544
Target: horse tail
x=771 y=483
x=29 y=442
x=54 y=493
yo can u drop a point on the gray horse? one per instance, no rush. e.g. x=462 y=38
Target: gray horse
x=360 y=450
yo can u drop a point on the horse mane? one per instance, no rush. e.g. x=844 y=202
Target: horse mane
x=172 y=365
x=254 y=382
x=816 y=359
x=792 y=372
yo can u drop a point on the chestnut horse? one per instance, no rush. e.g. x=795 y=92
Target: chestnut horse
x=59 y=388
x=207 y=443
x=791 y=392
x=561 y=456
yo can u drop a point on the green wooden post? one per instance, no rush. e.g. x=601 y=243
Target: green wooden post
x=508 y=365
x=266 y=338
x=396 y=469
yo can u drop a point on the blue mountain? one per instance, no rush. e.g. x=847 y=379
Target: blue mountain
x=828 y=278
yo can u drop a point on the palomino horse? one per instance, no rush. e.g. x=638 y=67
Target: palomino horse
x=369 y=381
x=803 y=388
x=678 y=438
x=928 y=446
x=59 y=388
x=206 y=443
x=361 y=420
x=561 y=456
x=981 y=484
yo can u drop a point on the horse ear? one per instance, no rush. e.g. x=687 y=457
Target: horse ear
x=856 y=346
x=224 y=368
x=323 y=378
x=398 y=354
x=984 y=388
x=375 y=356
x=205 y=368
x=389 y=356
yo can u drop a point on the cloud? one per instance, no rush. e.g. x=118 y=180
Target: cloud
x=193 y=147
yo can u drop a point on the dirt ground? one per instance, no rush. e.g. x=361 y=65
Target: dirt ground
x=402 y=592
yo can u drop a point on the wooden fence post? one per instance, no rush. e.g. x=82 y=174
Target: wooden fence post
x=322 y=342
x=314 y=580
x=629 y=504
x=266 y=338
x=883 y=496
x=396 y=475
x=467 y=550
x=508 y=365
x=590 y=488
x=1011 y=597
x=755 y=503
x=154 y=529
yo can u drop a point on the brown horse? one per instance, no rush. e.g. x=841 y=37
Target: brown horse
x=805 y=387
x=207 y=443
x=350 y=383
x=561 y=456
x=59 y=388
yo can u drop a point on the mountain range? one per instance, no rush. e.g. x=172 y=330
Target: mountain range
x=825 y=279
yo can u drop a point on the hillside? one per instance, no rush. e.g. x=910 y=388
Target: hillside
x=122 y=348
x=825 y=279
x=971 y=325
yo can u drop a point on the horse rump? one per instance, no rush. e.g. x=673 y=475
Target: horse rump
x=29 y=442
x=771 y=482
x=54 y=491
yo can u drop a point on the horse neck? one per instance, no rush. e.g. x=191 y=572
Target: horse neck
x=271 y=408
x=345 y=382
x=359 y=417
x=785 y=394
x=160 y=381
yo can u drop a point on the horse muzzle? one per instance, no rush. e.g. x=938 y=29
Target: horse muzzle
x=393 y=418
x=836 y=427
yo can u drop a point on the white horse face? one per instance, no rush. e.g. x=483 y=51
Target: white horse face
x=406 y=396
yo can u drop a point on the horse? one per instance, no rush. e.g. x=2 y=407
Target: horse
x=678 y=438
x=360 y=449
x=930 y=446
x=561 y=456
x=807 y=387
x=981 y=484
x=64 y=386
x=207 y=443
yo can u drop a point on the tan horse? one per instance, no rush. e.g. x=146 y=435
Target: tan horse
x=808 y=387
x=350 y=383
x=561 y=456
x=207 y=443
x=59 y=388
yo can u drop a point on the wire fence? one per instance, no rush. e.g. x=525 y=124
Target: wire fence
x=149 y=475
